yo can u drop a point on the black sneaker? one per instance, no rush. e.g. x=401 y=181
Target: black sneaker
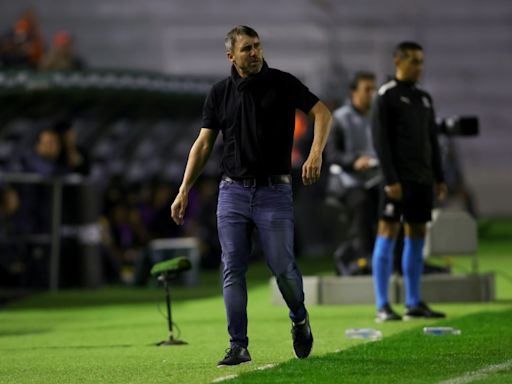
x=422 y=311
x=302 y=339
x=386 y=313
x=235 y=356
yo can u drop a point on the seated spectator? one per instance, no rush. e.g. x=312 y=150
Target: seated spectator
x=43 y=158
x=62 y=55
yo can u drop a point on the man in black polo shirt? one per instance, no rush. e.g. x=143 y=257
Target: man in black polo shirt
x=405 y=138
x=255 y=110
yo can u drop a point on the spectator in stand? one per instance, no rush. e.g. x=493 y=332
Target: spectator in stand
x=22 y=46
x=62 y=56
x=35 y=40
x=12 y=56
x=43 y=159
x=36 y=198
x=11 y=227
x=127 y=239
x=159 y=224
x=9 y=206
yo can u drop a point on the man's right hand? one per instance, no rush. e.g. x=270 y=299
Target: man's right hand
x=178 y=208
x=394 y=191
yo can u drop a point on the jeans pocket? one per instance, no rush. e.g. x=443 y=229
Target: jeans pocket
x=284 y=188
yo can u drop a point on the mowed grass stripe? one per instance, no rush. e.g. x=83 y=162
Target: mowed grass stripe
x=410 y=357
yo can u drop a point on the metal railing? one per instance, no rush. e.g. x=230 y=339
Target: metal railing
x=56 y=228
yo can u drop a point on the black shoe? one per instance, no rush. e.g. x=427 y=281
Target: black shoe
x=422 y=311
x=386 y=313
x=302 y=339
x=235 y=356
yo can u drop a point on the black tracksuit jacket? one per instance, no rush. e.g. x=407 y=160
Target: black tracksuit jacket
x=405 y=134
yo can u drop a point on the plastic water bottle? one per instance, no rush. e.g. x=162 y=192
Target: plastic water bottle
x=440 y=331
x=363 y=333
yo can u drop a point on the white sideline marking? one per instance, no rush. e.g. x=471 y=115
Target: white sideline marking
x=468 y=377
x=224 y=378
x=267 y=366
x=229 y=377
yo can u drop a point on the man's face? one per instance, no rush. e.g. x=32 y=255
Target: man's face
x=410 y=65
x=363 y=94
x=48 y=146
x=246 y=55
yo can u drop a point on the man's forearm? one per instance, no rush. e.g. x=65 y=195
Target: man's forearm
x=323 y=122
x=197 y=158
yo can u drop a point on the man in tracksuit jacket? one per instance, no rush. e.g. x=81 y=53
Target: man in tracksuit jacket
x=405 y=138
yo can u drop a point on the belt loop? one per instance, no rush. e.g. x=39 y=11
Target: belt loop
x=249 y=183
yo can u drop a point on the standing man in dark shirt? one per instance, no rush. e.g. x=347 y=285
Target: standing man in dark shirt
x=255 y=110
x=405 y=138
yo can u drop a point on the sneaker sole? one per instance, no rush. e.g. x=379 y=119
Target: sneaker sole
x=305 y=357
x=409 y=318
x=234 y=365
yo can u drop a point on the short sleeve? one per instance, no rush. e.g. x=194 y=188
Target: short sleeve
x=304 y=98
x=210 y=119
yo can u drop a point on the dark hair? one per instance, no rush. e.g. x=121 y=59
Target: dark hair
x=229 y=41
x=358 y=76
x=402 y=48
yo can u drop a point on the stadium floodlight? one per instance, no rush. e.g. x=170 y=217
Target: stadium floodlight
x=165 y=271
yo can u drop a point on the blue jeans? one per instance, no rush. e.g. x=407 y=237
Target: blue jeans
x=270 y=210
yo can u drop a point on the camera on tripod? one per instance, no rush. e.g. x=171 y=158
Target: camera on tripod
x=458 y=126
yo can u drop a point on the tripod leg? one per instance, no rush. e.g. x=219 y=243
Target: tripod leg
x=168 y=302
x=171 y=340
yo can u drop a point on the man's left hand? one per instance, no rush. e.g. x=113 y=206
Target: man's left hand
x=311 y=169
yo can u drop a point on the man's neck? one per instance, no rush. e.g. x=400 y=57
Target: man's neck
x=240 y=72
x=400 y=77
x=362 y=110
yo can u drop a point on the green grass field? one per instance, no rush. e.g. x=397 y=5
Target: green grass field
x=108 y=335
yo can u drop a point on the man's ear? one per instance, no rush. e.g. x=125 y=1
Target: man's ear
x=230 y=57
x=397 y=60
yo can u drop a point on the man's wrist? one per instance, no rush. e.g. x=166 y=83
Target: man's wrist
x=315 y=152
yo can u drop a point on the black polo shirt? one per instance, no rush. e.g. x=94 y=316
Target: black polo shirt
x=258 y=142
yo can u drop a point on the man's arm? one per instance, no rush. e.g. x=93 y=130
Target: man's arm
x=313 y=164
x=381 y=135
x=197 y=158
x=441 y=187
